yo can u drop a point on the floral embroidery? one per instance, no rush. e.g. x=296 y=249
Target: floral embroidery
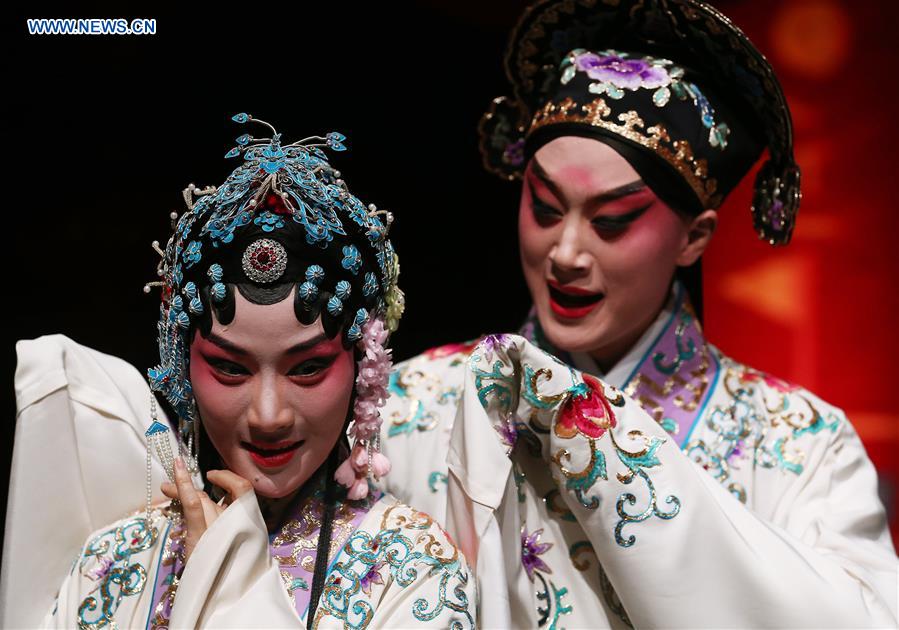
x=107 y=560
x=531 y=550
x=405 y=545
x=614 y=72
x=372 y=577
x=293 y=584
x=741 y=429
x=493 y=343
x=507 y=428
x=631 y=74
x=586 y=411
x=581 y=482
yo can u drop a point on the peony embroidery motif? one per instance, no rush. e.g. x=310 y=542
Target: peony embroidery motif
x=586 y=411
x=630 y=74
x=613 y=74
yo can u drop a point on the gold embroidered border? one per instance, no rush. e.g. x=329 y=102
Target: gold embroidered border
x=677 y=153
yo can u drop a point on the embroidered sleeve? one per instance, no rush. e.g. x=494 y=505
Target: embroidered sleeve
x=574 y=420
x=680 y=549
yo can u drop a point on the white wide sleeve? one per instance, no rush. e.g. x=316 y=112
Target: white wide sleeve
x=230 y=579
x=679 y=549
x=79 y=462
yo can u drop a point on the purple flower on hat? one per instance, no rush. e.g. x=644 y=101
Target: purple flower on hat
x=531 y=549
x=513 y=154
x=776 y=215
x=631 y=74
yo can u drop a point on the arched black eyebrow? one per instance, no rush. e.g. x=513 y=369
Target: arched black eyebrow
x=597 y=200
x=228 y=346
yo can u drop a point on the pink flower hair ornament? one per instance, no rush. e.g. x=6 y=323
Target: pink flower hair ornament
x=366 y=460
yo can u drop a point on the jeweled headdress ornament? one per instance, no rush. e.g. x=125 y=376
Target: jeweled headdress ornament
x=672 y=85
x=283 y=221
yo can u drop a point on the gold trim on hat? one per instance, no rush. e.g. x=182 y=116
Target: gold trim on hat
x=677 y=153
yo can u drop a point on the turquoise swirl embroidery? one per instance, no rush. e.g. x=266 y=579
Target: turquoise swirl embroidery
x=435 y=478
x=531 y=393
x=554 y=607
x=819 y=424
x=685 y=351
x=636 y=462
x=785 y=461
x=110 y=553
x=366 y=556
x=417 y=418
x=581 y=482
x=493 y=384
x=743 y=427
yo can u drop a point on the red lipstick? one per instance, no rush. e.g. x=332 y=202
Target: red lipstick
x=572 y=302
x=272 y=454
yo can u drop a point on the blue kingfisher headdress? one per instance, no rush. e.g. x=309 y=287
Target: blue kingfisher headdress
x=283 y=220
x=672 y=85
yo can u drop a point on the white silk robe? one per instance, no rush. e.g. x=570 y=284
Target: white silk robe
x=71 y=561
x=686 y=491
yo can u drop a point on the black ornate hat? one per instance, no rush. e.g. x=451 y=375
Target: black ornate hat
x=672 y=85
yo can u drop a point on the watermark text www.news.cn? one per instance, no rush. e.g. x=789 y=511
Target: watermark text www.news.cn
x=91 y=26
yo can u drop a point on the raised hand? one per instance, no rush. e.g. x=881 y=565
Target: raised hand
x=199 y=510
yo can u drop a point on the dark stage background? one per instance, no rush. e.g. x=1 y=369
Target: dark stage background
x=103 y=133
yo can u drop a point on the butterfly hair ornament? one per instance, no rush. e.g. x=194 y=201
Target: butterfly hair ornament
x=283 y=221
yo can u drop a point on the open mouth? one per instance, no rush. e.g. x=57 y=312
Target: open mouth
x=272 y=455
x=572 y=302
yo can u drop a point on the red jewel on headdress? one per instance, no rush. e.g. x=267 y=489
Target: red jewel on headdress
x=264 y=260
x=276 y=204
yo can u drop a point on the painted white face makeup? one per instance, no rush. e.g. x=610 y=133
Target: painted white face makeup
x=272 y=393
x=598 y=248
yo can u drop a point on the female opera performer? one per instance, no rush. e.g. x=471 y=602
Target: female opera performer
x=278 y=295
x=736 y=499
